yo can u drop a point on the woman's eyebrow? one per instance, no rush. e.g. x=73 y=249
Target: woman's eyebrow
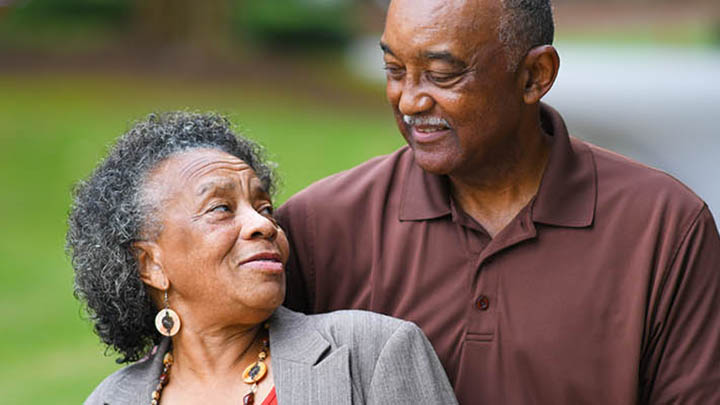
x=214 y=186
x=257 y=189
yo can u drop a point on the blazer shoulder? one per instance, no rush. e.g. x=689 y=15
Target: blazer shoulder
x=364 y=330
x=109 y=386
x=391 y=360
x=128 y=384
x=350 y=318
x=353 y=328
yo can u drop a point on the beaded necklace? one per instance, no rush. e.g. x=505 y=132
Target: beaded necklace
x=253 y=374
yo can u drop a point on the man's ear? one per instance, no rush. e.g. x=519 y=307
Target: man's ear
x=540 y=68
x=150 y=265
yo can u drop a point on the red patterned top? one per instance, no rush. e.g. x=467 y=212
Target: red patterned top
x=271 y=398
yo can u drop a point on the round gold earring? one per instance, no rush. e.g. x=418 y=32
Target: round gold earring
x=167 y=321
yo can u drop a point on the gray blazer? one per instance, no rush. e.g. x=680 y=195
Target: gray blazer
x=344 y=357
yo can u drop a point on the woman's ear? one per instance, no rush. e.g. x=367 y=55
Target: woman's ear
x=540 y=68
x=150 y=265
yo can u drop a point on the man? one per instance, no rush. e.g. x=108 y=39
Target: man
x=545 y=270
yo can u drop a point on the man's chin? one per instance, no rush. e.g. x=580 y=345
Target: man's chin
x=438 y=163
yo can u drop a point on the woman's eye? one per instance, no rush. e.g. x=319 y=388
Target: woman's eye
x=266 y=210
x=221 y=208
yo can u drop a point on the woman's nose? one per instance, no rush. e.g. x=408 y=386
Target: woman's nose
x=258 y=226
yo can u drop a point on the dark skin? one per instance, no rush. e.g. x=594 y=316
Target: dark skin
x=444 y=60
x=221 y=258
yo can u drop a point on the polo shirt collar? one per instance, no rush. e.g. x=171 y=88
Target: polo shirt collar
x=568 y=190
x=425 y=195
x=566 y=196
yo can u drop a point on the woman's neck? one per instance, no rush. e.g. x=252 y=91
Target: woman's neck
x=213 y=355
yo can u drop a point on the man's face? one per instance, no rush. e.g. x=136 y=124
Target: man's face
x=453 y=98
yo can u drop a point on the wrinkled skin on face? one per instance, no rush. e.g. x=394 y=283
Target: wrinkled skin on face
x=220 y=251
x=447 y=68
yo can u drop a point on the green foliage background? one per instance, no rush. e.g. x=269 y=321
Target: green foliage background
x=54 y=129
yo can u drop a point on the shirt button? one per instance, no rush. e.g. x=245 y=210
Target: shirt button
x=482 y=303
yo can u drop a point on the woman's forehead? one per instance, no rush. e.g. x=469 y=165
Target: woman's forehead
x=198 y=162
x=198 y=170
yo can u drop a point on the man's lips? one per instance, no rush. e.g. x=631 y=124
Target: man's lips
x=428 y=133
x=268 y=261
x=426 y=128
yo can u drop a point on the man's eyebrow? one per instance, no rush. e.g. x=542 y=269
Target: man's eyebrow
x=444 y=56
x=385 y=48
x=432 y=55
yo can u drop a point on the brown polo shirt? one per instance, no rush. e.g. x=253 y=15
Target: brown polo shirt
x=605 y=289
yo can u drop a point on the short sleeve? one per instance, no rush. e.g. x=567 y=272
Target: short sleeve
x=682 y=358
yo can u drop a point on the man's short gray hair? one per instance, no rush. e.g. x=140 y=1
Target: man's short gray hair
x=525 y=24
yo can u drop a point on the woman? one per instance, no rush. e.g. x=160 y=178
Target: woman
x=181 y=265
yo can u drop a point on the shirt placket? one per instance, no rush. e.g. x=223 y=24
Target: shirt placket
x=482 y=308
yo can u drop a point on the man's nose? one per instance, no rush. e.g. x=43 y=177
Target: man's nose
x=414 y=100
x=257 y=226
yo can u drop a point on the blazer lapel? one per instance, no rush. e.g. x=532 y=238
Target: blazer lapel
x=306 y=368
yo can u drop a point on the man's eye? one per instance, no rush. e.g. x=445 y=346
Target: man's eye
x=442 y=78
x=394 y=72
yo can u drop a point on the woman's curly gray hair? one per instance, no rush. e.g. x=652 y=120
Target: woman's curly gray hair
x=110 y=212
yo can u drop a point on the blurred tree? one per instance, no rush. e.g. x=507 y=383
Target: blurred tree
x=197 y=27
x=60 y=25
x=298 y=24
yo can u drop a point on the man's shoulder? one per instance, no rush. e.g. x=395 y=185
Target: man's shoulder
x=374 y=174
x=620 y=178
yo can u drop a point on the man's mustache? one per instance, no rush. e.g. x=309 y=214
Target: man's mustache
x=419 y=120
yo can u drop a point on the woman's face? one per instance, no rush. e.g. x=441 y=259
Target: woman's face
x=220 y=248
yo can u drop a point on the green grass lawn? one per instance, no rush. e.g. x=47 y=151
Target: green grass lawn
x=54 y=129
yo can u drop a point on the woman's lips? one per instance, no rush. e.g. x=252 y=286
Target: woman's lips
x=265 y=265
x=267 y=261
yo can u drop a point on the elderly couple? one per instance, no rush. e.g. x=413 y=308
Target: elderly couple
x=543 y=269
